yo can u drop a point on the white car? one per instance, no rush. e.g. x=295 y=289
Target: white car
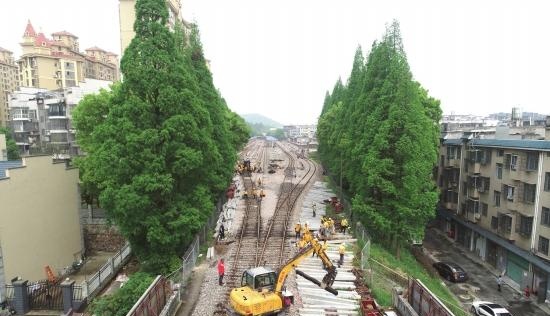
x=481 y=308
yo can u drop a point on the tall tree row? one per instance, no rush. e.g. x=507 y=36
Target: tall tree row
x=379 y=132
x=162 y=144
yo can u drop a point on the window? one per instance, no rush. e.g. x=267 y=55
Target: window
x=525 y=225
x=543 y=245
x=514 y=162
x=500 y=152
x=484 y=208
x=532 y=161
x=504 y=223
x=494 y=222
x=509 y=191
x=547 y=181
x=499 y=171
x=465 y=188
x=545 y=217
x=529 y=192
x=451 y=152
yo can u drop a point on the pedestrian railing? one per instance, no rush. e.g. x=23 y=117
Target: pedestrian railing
x=91 y=286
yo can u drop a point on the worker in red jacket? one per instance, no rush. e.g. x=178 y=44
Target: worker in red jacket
x=221 y=271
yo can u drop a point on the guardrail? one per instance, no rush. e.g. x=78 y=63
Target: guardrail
x=106 y=272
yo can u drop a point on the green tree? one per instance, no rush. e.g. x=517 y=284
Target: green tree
x=120 y=303
x=13 y=151
x=386 y=127
x=156 y=144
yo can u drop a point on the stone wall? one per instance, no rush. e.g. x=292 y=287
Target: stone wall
x=102 y=237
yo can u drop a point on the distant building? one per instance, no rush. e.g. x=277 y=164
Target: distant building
x=495 y=202
x=57 y=63
x=9 y=82
x=295 y=131
x=41 y=225
x=127 y=15
x=516 y=125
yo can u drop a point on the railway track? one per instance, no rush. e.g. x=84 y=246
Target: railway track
x=255 y=246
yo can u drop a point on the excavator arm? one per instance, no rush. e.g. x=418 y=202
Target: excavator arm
x=312 y=246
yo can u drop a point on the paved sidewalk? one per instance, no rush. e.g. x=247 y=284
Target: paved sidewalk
x=482 y=283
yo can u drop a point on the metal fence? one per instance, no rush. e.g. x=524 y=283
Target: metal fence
x=424 y=302
x=363 y=236
x=152 y=302
x=91 y=287
x=45 y=295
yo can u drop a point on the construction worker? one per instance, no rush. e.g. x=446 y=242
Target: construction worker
x=341 y=251
x=222 y=232
x=297 y=229
x=331 y=226
x=305 y=228
x=326 y=226
x=301 y=245
x=344 y=224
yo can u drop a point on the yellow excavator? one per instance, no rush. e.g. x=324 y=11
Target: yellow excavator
x=262 y=290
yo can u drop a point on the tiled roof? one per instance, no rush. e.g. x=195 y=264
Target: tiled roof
x=8 y=165
x=4 y=50
x=41 y=38
x=64 y=33
x=513 y=143
x=95 y=48
x=29 y=30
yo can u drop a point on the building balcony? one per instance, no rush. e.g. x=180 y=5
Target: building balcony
x=452 y=163
x=450 y=206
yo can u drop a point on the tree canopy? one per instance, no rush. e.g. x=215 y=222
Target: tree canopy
x=11 y=146
x=161 y=145
x=380 y=131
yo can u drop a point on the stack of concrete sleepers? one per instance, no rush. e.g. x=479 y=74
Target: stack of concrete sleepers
x=317 y=301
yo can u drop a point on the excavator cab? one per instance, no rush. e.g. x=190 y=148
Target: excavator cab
x=256 y=295
x=259 y=279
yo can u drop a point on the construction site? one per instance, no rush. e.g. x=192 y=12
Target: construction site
x=286 y=243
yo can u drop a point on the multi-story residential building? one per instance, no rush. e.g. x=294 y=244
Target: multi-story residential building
x=41 y=225
x=9 y=82
x=495 y=201
x=41 y=119
x=127 y=14
x=57 y=63
x=101 y=65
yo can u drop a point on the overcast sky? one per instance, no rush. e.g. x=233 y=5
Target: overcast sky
x=278 y=58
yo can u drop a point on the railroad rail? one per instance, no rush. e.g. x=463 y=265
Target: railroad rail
x=253 y=242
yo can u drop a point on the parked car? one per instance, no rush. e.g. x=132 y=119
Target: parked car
x=451 y=271
x=482 y=308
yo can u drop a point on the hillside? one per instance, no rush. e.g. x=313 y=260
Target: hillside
x=255 y=118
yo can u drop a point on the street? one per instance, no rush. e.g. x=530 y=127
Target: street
x=482 y=284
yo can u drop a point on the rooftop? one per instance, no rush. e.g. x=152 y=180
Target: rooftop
x=4 y=165
x=543 y=145
x=64 y=33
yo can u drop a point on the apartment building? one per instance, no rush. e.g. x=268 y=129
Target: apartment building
x=9 y=82
x=101 y=64
x=127 y=14
x=495 y=202
x=41 y=120
x=57 y=63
